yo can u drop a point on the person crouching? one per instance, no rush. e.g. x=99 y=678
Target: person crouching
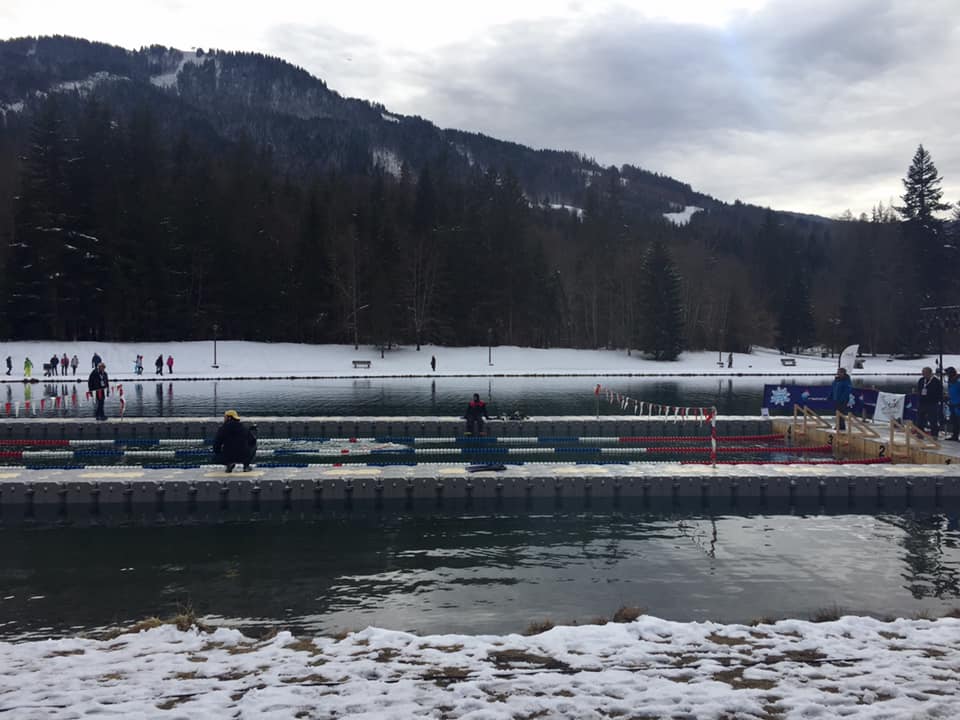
x=234 y=443
x=476 y=412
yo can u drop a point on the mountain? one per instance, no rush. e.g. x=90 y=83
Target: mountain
x=158 y=192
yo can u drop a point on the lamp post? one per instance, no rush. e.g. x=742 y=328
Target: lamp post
x=490 y=346
x=215 y=329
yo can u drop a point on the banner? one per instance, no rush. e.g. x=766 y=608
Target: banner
x=780 y=399
x=848 y=358
x=889 y=406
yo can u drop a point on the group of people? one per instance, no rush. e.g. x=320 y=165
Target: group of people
x=56 y=366
x=61 y=365
x=932 y=402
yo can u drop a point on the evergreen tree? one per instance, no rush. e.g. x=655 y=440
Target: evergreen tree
x=922 y=191
x=795 y=329
x=661 y=323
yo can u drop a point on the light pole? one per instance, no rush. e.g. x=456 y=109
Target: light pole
x=215 y=329
x=490 y=346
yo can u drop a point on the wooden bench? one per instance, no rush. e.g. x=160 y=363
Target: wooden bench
x=361 y=363
x=788 y=362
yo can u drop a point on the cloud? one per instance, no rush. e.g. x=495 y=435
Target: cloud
x=813 y=106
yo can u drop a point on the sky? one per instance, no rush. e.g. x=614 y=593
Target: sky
x=806 y=105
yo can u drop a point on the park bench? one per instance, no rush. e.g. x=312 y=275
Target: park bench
x=361 y=363
x=788 y=362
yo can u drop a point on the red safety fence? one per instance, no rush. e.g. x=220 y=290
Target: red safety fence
x=868 y=461
x=702 y=438
x=741 y=449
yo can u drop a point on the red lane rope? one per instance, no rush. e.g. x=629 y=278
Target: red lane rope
x=12 y=454
x=701 y=439
x=39 y=443
x=869 y=461
x=728 y=449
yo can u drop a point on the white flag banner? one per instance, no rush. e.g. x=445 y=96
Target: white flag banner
x=889 y=407
x=849 y=357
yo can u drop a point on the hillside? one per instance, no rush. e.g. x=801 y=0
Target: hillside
x=139 y=186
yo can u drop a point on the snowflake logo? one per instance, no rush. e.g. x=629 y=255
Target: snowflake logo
x=852 y=401
x=780 y=396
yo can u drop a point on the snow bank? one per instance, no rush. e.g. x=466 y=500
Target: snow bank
x=854 y=667
x=169 y=79
x=238 y=359
x=683 y=216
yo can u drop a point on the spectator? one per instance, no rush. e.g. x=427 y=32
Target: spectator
x=170 y=364
x=95 y=360
x=74 y=364
x=953 y=396
x=930 y=390
x=27 y=367
x=99 y=385
x=159 y=364
x=64 y=364
x=433 y=363
x=9 y=364
x=840 y=394
x=234 y=443
x=54 y=365
x=476 y=412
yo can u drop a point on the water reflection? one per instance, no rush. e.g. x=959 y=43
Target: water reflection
x=486 y=572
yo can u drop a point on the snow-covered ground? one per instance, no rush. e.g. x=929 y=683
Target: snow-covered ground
x=239 y=359
x=854 y=667
x=682 y=217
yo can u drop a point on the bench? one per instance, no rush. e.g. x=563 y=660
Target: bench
x=788 y=362
x=361 y=363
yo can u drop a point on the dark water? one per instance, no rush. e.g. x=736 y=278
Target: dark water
x=408 y=396
x=478 y=571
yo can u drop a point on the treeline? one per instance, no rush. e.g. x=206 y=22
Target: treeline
x=120 y=222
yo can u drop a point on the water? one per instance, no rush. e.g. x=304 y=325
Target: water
x=477 y=572
x=407 y=396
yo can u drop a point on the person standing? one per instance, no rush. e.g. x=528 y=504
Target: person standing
x=170 y=364
x=9 y=364
x=476 y=412
x=95 y=360
x=74 y=364
x=930 y=390
x=54 y=365
x=159 y=364
x=234 y=443
x=953 y=397
x=840 y=394
x=64 y=363
x=98 y=384
x=433 y=363
x=27 y=367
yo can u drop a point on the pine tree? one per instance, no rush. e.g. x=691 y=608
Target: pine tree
x=795 y=329
x=661 y=323
x=922 y=192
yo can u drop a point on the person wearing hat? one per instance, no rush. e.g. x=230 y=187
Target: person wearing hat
x=99 y=385
x=953 y=398
x=234 y=443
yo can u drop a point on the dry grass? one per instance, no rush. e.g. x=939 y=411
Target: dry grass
x=66 y=653
x=627 y=614
x=953 y=613
x=511 y=659
x=717 y=639
x=735 y=679
x=827 y=614
x=535 y=628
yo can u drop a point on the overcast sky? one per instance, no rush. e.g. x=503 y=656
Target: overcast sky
x=807 y=105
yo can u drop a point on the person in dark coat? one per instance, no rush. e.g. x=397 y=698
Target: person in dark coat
x=476 y=412
x=159 y=364
x=234 y=443
x=64 y=364
x=95 y=360
x=99 y=385
x=840 y=394
x=54 y=364
x=930 y=390
x=953 y=396
x=9 y=364
x=433 y=363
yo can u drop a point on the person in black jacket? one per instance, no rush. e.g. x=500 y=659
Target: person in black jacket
x=476 y=412
x=234 y=443
x=99 y=384
x=930 y=390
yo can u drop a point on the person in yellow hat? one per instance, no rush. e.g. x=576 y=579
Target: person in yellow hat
x=234 y=443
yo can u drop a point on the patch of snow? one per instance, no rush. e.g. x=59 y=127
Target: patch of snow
x=169 y=79
x=569 y=208
x=855 y=667
x=388 y=160
x=389 y=118
x=87 y=83
x=624 y=181
x=683 y=216
x=16 y=107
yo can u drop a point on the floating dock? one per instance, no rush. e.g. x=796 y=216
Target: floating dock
x=88 y=491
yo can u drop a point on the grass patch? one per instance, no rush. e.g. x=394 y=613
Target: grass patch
x=172 y=702
x=111 y=676
x=511 y=659
x=891 y=635
x=626 y=614
x=66 y=653
x=312 y=679
x=762 y=620
x=191 y=675
x=726 y=640
x=953 y=613
x=735 y=679
x=827 y=614
x=302 y=645
x=457 y=647
x=535 y=628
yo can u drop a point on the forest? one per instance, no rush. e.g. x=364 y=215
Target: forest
x=130 y=214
